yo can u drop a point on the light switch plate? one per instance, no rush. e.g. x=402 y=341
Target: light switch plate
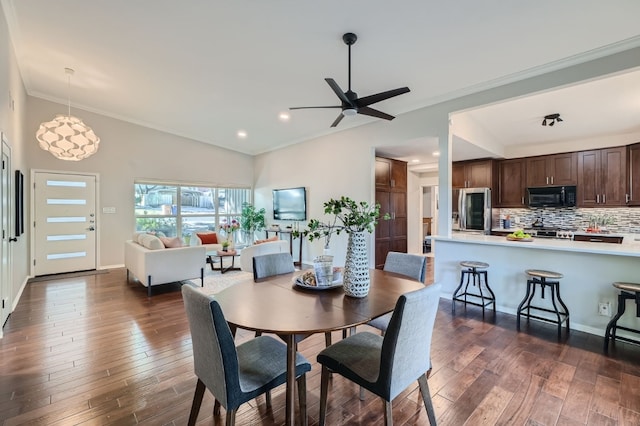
x=108 y=210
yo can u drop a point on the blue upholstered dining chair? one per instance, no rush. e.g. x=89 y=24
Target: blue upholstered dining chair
x=387 y=365
x=410 y=265
x=272 y=264
x=234 y=375
x=269 y=265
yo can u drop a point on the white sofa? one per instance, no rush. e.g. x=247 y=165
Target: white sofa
x=164 y=265
x=247 y=253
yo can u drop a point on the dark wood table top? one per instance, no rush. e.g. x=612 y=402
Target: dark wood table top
x=277 y=305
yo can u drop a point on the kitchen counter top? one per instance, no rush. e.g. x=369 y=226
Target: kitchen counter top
x=589 y=269
x=630 y=244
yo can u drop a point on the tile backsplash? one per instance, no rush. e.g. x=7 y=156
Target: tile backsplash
x=621 y=220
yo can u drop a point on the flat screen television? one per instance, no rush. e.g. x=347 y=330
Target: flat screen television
x=290 y=204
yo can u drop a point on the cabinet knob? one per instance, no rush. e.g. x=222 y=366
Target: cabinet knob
x=597 y=198
x=627 y=198
x=604 y=198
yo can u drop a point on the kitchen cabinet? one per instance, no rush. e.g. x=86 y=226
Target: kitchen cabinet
x=391 y=194
x=472 y=174
x=633 y=174
x=552 y=170
x=511 y=183
x=391 y=175
x=602 y=177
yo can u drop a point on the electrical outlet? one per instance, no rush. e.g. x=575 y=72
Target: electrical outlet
x=604 y=309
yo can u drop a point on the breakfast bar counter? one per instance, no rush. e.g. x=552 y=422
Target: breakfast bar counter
x=589 y=269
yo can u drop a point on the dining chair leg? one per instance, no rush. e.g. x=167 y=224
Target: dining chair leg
x=426 y=397
x=231 y=417
x=327 y=339
x=324 y=385
x=216 y=408
x=267 y=397
x=302 y=399
x=361 y=393
x=388 y=416
x=197 y=401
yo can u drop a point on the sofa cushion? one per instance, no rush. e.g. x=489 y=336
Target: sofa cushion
x=174 y=242
x=208 y=238
x=274 y=238
x=150 y=241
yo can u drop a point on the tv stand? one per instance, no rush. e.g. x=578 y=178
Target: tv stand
x=297 y=261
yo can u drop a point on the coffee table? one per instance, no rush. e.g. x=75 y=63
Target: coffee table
x=217 y=256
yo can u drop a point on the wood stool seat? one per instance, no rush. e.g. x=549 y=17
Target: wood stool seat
x=540 y=273
x=543 y=278
x=474 y=264
x=628 y=291
x=483 y=297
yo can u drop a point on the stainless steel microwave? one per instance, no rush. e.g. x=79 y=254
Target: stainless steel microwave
x=551 y=196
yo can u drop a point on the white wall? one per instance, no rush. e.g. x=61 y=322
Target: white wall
x=13 y=109
x=127 y=153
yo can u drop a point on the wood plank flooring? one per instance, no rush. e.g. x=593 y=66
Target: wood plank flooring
x=95 y=350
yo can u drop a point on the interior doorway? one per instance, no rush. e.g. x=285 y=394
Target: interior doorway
x=429 y=218
x=6 y=208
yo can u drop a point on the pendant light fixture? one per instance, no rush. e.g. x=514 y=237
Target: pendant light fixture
x=66 y=137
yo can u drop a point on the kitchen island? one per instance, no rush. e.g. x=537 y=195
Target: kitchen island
x=589 y=269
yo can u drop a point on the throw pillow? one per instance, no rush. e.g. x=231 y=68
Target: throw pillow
x=151 y=242
x=208 y=238
x=174 y=242
x=274 y=238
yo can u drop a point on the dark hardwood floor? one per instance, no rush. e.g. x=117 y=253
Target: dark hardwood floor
x=95 y=350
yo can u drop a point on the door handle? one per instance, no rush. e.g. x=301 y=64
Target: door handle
x=13 y=240
x=547 y=180
x=627 y=198
x=604 y=198
x=598 y=199
x=551 y=180
x=91 y=228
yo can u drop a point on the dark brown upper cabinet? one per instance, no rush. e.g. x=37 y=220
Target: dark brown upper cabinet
x=602 y=177
x=552 y=170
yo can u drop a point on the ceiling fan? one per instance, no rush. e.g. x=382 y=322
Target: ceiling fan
x=351 y=104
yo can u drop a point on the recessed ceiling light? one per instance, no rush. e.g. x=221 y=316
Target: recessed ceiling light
x=436 y=153
x=241 y=134
x=284 y=116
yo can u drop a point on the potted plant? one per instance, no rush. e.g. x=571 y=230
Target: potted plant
x=251 y=220
x=354 y=218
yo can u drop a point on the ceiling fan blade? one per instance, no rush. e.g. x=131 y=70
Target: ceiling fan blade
x=374 y=113
x=338 y=91
x=372 y=99
x=338 y=120
x=331 y=106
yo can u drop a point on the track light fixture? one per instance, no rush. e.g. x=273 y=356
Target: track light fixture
x=551 y=119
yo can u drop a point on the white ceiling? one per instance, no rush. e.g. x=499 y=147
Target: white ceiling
x=206 y=69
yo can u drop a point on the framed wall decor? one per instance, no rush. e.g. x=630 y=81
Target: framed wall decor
x=19 y=203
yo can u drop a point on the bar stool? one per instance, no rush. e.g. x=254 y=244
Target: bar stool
x=544 y=279
x=627 y=291
x=477 y=271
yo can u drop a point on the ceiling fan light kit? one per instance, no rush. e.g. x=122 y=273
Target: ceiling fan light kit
x=551 y=119
x=350 y=103
x=66 y=137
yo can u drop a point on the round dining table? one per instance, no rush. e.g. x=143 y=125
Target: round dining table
x=278 y=305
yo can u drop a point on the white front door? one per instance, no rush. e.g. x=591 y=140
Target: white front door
x=65 y=223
